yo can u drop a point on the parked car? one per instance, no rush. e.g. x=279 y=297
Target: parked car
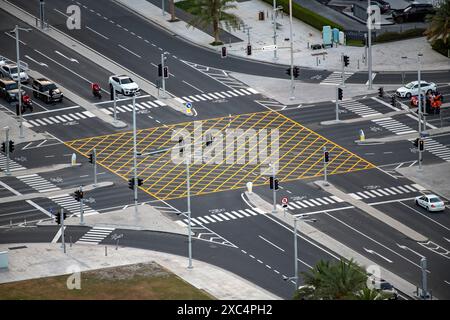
x=9 y=90
x=431 y=202
x=384 y=287
x=46 y=90
x=124 y=85
x=10 y=71
x=413 y=12
x=383 y=5
x=412 y=89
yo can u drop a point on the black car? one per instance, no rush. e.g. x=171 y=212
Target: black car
x=383 y=5
x=10 y=90
x=413 y=12
x=46 y=90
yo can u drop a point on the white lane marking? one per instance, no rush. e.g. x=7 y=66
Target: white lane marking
x=425 y=216
x=64 y=56
x=39 y=63
x=193 y=86
x=11 y=36
x=126 y=49
x=4 y=185
x=385 y=103
x=271 y=243
x=58 y=235
x=104 y=37
x=322 y=211
x=38 y=207
x=377 y=254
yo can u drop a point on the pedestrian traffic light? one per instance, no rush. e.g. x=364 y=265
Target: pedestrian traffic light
x=3 y=147
x=340 y=93
x=91 y=158
x=416 y=142
x=224 y=52
x=393 y=102
x=249 y=49
x=380 y=92
x=140 y=182
x=160 y=70
x=11 y=146
x=131 y=183
x=326 y=156
x=346 y=61
x=421 y=145
x=78 y=195
x=166 y=72
x=288 y=71
x=271 y=183
x=58 y=218
x=296 y=72
x=276 y=184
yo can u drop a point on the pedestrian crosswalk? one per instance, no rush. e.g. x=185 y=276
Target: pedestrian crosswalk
x=13 y=165
x=358 y=108
x=58 y=119
x=394 y=126
x=38 y=183
x=142 y=105
x=67 y=202
x=388 y=191
x=308 y=203
x=271 y=104
x=220 y=217
x=336 y=78
x=95 y=235
x=219 y=75
x=437 y=149
x=217 y=95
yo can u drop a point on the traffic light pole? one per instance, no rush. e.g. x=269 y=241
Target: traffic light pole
x=337 y=103
x=135 y=182
x=274 y=210
x=342 y=74
x=325 y=166
x=63 y=243
x=369 y=36
x=292 y=51
x=7 y=172
x=419 y=113
x=275 y=29
x=295 y=254
x=163 y=79
x=188 y=186
x=114 y=106
x=19 y=96
x=94 y=155
x=81 y=206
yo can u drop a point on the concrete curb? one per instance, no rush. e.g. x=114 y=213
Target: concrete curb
x=332 y=244
x=400 y=227
x=34 y=195
x=51 y=168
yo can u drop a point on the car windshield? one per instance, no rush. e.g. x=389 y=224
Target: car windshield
x=409 y=85
x=408 y=9
x=385 y=286
x=434 y=200
x=126 y=80
x=50 y=86
x=11 y=86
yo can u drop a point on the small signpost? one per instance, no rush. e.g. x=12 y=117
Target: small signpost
x=284 y=202
x=188 y=107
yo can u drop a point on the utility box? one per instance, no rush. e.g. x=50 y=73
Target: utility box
x=3 y=259
x=341 y=37
x=326 y=36
x=335 y=35
x=261 y=15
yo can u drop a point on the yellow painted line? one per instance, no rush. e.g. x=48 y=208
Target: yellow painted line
x=110 y=145
x=117 y=148
x=310 y=156
x=300 y=153
x=337 y=168
x=317 y=162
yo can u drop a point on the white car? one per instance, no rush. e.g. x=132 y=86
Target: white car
x=124 y=85
x=412 y=89
x=431 y=202
x=10 y=71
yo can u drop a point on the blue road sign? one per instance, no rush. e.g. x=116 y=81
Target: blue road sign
x=188 y=105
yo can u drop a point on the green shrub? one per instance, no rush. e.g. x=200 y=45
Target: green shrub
x=395 y=36
x=441 y=47
x=313 y=19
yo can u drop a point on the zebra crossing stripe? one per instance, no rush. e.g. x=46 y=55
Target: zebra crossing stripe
x=200 y=97
x=204 y=95
x=336 y=198
x=355 y=196
x=244 y=213
x=237 y=214
x=215 y=217
x=294 y=205
x=210 y=219
x=223 y=216
x=226 y=94
x=251 y=212
x=162 y=104
x=82 y=116
x=302 y=204
x=54 y=119
x=362 y=195
x=89 y=114
x=418 y=187
x=252 y=90
x=194 y=98
x=239 y=93
x=315 y=202
x=213 y=95
x=219 y=95
x=203 y=220
x=232 y=93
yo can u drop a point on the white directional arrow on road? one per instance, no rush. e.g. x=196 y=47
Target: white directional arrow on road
x=71 y=59
x=377 y=254
x=39 y=63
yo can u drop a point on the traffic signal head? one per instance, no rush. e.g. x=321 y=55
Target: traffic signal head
x=131 y=183
x=249 y=49
x=3 y=147
x=296 y=72
x=91 y=158
x=393 y=102
x=416 y=143
x=271 y=183
x=326 y=156
x=224 y=52
x=380 y=92
x=11 y=146
x=76 y=195
x=346 y=61
x=140 y=182
x=166 y=72
x=58 y=218
x=340 y=93
x=160 y=70
x=288 y=71
x=421 y=145
x=64 y=215
x=276 y=184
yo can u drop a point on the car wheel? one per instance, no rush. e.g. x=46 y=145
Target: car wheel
x=408 y=95
x=428 y=208
x=417 y=202
x=60 y=100
x=429 y=91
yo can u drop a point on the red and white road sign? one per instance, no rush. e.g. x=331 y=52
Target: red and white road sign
x=284 y=200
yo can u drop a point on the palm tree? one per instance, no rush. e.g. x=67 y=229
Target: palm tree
x=439 y=27
x=212 y=12
x=371 y=294
x=338 y=280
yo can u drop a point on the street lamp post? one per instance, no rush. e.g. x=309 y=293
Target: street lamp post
x=292 y=51
x=419 y=113
x=369 y=37
x=135 y=182
x=19 y=94
x=275 y=13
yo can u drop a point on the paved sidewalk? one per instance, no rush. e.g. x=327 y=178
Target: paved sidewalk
x=386 y=57
x=43 y=260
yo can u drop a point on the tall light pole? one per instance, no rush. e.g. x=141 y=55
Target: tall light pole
x=275 y=13
x=369 y=36
x=135 y=182
x=292 y=51
x=19 y=95
x=419 y=113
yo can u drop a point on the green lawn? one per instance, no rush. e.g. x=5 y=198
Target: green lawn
x=133 y=282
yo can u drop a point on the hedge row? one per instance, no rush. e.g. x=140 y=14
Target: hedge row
x=395 y=36
x=441 y=47
x=313 y=19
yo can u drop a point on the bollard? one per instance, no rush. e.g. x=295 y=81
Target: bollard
x=307 y=45
x=317 y=61
x=74 y=159
x=362 y=137
x=250 y=187
x=70 y=239
x=106 y=251
x=10 y=223
x=25 y=221
x=117 y=244
x=358 y=63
